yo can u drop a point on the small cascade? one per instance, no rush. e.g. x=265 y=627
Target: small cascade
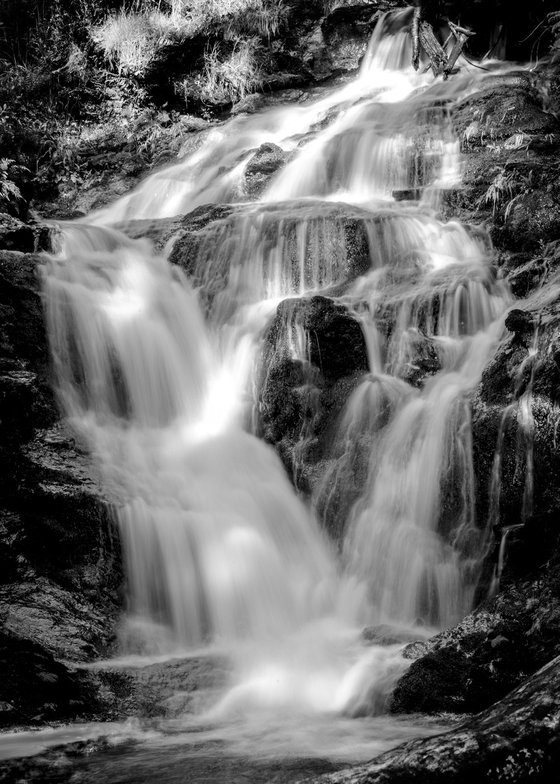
x=277 y=251
x=412 y=536
x=520 y=414
x=211 y=528
x=288 y=249
x=526 y=424
x=496 y=581
x=155 y=372
x=395 y=138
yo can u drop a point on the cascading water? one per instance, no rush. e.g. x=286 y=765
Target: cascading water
x=218 y=546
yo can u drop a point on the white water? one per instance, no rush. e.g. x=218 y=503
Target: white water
x=218 y=546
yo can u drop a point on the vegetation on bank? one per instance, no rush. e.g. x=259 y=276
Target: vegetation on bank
x=112 y=74
x=82 y=76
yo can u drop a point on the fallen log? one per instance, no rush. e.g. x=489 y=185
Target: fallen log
x=424 y=38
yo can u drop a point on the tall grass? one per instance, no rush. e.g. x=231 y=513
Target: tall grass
x=228 y=79
x=131 y=38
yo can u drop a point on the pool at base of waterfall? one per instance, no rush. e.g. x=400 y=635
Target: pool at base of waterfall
x=284 y=748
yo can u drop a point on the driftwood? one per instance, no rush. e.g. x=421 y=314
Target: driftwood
x=424 y=38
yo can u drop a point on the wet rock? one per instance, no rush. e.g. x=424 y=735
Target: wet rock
x=286 y=80
x=20 y=236
x=385 y=634
x=494 y=649
x=425 y=360
x=515 y=411
x=266 y=161
x=532 y=219
x=15 y=235
x=327 y=241
x=36 y=688
x=524 y=273
x=520 y=322
x=346 y=32
x=336 y=343
x=407 y=194
x=23 y=345
x=505 y=105
x=170 y=688
x=301 y=396
x=508 y=173
x=337 y=43
x=158 y=232
x=514 y=740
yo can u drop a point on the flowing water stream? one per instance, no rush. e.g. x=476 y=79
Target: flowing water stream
x=155 y=373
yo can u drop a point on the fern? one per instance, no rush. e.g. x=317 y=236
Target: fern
x=9 y=191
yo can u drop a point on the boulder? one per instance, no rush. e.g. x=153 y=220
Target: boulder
x=532 y=219
x=504 y=106
x=36 y=688
x=514 y=740
x=509 y=140
x=20 y=236
x=263 y=165
x=301 y=394
x=329 y=241
x=494 y=649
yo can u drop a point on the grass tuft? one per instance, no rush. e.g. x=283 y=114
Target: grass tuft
x=227 y=80
x=131 y=39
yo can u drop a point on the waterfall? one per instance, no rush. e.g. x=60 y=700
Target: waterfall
x=154 y=372
x=217 y=544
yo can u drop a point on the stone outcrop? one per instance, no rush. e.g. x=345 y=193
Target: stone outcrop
x=302 y=392
x=515 y=740
x=493 y=650
x=60 y=574
x=36 y=688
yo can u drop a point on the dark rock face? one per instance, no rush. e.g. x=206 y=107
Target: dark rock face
x=301 y=396
x=493 y=650
x=505 y=105
x=60 y=572
x=20 y=236
x=511 y=144
x=515 y=419
x=36 y=688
